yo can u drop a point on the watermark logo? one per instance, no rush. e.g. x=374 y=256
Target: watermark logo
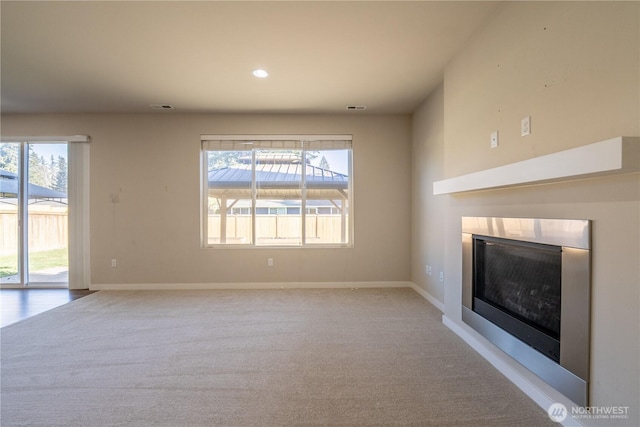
x=557 y=412
x=600 y=412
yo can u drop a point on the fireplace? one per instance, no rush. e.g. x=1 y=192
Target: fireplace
x=526 y=288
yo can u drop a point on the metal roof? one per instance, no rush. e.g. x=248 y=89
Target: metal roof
x=275 y=174
x=278 y=176
x=9 y=188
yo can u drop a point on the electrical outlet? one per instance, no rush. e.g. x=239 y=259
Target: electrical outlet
x=114 y=263
x=428 y=270
x=442 y=276
x=525 y=126
x=494 y=139
x=269 y=262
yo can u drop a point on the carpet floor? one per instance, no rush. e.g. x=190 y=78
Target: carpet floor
x=325 y=357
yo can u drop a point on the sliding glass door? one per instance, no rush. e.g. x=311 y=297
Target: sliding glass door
x=34 y=214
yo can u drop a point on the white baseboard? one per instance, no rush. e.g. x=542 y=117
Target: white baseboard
x=426 y=295
x=539 y=391
x=257 y=285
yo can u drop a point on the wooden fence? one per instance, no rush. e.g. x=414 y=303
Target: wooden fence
x=278 y=228
x=47 y=230
x=50 y=230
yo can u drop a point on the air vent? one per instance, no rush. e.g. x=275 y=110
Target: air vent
x=356 y=107
x=161 y=106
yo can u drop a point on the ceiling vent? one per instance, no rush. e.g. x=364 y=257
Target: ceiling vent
x=356 y=107
x=161 y=107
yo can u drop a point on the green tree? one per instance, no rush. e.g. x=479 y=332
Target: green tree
x=61 y=175
x=223 y=159
x=324 y=163
x=9 y=156
x=38 y=169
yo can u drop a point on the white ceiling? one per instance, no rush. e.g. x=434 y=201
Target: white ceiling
x=110 y=56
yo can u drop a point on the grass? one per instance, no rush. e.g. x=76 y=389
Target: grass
x=37 y=261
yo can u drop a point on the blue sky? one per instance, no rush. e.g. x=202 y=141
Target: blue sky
x=338 y=160
x=47 y=150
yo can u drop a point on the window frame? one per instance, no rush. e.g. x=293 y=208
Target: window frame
x=308 y=143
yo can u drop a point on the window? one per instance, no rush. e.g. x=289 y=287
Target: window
x=276 y=190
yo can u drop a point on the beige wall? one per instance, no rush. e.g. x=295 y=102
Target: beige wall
x=427 y=210
x=145 y=209
x=574 y=68
x=571 y=66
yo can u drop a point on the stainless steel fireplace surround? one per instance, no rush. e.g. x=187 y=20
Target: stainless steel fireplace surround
x=570 y=375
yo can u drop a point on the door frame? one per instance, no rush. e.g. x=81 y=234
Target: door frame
x=78 y=210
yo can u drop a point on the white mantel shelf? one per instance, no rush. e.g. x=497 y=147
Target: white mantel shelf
x=613 y=156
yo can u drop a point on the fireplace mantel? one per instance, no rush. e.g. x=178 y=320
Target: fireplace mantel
x=613 y=156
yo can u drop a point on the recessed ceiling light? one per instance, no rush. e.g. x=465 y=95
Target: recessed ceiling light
x=260 y=73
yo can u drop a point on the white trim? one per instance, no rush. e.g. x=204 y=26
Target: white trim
x=263 y=137
x=540 y=392
x=613 y=156
x=79 y=230
x=251 y=143
x=23 y=215
x=204 y=218
x=78 y=213
x=245 y=285
x=57 y=138
x=426 y=295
